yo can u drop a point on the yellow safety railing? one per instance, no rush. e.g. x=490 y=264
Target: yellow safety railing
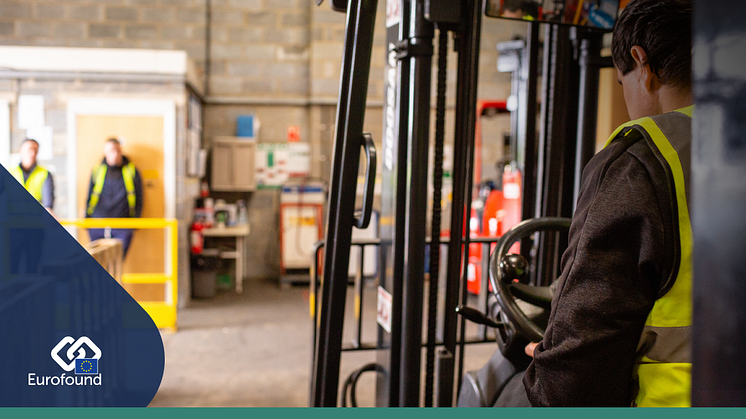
x=163 y=313
x=108 y=254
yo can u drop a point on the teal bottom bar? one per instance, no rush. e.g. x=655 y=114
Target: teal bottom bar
x=390 y=413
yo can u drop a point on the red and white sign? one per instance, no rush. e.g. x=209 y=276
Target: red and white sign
x=384 y=309
x=393 y=12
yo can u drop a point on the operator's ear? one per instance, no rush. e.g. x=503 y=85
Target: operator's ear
x=645 y=73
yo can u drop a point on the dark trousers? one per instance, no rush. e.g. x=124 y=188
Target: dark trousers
x=514 y=393
x=25 y=245
x=122 y=234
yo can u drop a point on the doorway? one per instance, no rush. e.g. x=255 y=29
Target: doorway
x=146 y=130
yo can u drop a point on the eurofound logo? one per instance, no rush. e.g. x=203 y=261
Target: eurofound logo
x=77 y=359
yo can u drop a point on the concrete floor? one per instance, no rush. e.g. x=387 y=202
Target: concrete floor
x=254 y=349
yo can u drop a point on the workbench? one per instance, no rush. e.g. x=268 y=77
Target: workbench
x=240 y=232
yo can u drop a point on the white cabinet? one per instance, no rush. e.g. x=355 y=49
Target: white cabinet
x=301 y=229
x=233 y=164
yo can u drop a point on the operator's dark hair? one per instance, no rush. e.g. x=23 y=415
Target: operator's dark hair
x=528 y=7
x=663 y=28
x=113 y=141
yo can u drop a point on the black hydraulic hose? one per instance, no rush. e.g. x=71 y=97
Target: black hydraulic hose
x=432 y=305
x=351 y=383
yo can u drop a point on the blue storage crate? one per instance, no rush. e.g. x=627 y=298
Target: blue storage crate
x=245 y=126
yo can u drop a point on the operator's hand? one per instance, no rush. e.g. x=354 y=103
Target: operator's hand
x=530 y=349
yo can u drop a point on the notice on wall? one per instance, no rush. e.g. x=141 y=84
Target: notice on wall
x=276 y=163
x=43 y=136
x=299 y=159
x=30 y=111
x=271 y=165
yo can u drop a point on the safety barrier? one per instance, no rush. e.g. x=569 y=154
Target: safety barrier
x=483 y=304
x=108 y=253
x=163 y=313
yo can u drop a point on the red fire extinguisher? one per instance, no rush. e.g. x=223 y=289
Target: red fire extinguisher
x=204 y=189
x=198 y=239
x=502 y=211
x=512 y=191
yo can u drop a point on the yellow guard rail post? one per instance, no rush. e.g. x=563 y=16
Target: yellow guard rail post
x=108 y=253
x=163 y=313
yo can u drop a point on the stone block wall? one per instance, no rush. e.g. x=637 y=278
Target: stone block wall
x=269 y=49
x=277 y=59
x=259 y=49
x=151 y=24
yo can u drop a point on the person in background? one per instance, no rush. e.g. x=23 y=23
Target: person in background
x=520 y=9
x=36 y=179
x=40 y=184
x=115 y=191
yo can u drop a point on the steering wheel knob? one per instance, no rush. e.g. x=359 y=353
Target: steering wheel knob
x=504 y=268
x=514 y=267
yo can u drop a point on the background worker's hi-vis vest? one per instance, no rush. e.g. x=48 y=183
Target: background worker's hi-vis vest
x=662 y=371
x=99 y=176
x=35 y=181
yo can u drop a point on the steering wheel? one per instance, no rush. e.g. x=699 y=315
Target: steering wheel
x=519 y=329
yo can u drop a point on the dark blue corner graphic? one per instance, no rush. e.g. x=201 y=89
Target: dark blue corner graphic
x=70 y=335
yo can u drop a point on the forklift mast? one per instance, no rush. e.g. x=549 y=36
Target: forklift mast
x=552 y=164
x=551 y=161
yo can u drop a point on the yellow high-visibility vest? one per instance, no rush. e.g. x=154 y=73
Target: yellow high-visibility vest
x=35 y=181
x=662 y=371
x=99 y=176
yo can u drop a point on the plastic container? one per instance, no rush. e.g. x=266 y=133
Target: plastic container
x=204 y=275
x=225 y=282
x=242 y=212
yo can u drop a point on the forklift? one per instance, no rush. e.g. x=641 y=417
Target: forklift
x=553 y=152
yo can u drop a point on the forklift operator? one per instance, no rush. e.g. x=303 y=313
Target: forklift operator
x=619 y=332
